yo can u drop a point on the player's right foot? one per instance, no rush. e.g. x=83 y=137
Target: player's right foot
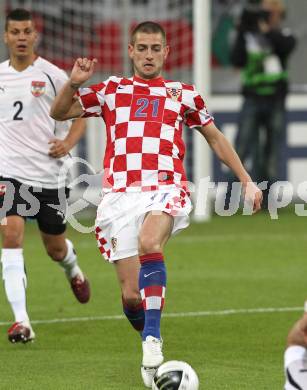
x=21 y=332
x=152 y=359
x=81 y=288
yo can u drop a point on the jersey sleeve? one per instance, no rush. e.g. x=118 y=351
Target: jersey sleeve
x=196 y=114
x=92 y=99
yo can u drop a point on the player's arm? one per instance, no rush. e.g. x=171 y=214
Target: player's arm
x=225 y=152
x=59 y=148
x=65 y=105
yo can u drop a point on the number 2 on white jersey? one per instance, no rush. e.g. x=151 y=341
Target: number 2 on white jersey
x=19 y=106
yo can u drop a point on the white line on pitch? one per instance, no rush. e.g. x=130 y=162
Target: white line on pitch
x=171 y=315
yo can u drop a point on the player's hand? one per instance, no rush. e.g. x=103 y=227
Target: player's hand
x=59 y=148
x=253 y=195
x=82 y=71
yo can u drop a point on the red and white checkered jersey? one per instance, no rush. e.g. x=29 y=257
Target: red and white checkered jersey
x=144 y=122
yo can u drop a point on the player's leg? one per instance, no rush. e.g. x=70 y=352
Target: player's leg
x=295 y=359
x=120 y=223
x=155 y=231
x=246 y=145
x=52 y=225
x=247 y=138
x=275 y=137
x=61 y=250
x=127 y=271
x=14 y=277
x=116 y=235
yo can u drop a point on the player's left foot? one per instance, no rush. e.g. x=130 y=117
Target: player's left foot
x=152 y=359
x=21 y=332
x=81 y=288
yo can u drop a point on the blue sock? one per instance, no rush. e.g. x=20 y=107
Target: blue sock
x=152 y=283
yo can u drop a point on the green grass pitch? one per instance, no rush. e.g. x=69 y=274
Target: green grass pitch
x=236 y=263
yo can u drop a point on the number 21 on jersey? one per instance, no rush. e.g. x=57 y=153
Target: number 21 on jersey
x=147 y=108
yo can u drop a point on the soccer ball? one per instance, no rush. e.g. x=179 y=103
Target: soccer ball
x=175 y=375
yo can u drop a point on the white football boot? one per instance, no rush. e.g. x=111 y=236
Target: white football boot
x=152 y=359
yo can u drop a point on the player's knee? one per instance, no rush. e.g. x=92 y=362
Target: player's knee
x=56 y=253
x=131 y=298
x=149 y=245
x=12 y=238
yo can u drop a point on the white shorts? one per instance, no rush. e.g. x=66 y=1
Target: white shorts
x=120 y=216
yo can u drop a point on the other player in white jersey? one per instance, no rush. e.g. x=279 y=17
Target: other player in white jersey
x=33 y=147
x=145 y=199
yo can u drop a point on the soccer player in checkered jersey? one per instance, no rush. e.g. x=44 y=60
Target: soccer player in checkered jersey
x=145 y=196
x=31 y=158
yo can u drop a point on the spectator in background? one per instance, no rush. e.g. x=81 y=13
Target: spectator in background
x=262 y=49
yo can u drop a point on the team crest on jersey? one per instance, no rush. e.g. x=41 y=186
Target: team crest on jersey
x=174 y=93
x=38 y=88
x=114 y=243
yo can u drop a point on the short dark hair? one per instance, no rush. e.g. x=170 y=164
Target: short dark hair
x=148 y=28
x=19 y=14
